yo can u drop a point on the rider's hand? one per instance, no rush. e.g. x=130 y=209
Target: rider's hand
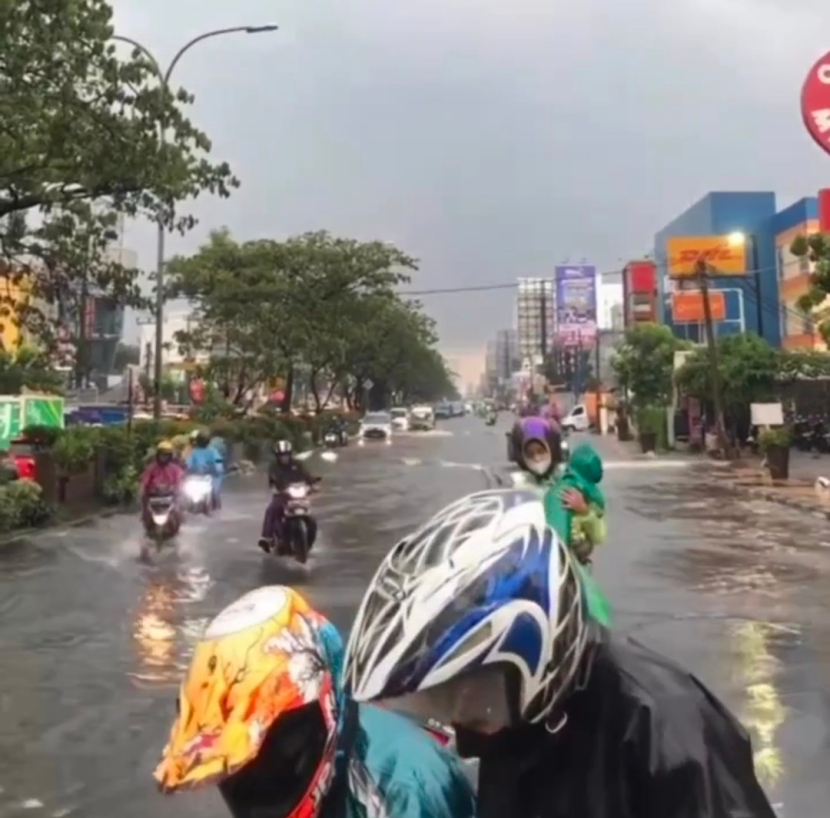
x=574 y=500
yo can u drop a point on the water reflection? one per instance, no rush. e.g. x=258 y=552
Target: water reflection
x=762 y=712
x=163 y=635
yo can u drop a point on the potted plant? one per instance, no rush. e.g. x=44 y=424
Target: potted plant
x=649 y=424
x=775 y=446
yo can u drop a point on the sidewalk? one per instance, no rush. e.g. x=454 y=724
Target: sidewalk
x=799 y=491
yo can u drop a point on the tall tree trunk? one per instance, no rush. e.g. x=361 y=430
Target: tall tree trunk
x=289 y=390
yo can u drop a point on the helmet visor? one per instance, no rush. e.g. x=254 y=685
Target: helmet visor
x=484 y=700
x=285 y=772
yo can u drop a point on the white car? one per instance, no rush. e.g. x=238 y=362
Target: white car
x=422 y=418
x=577 y=420
x=400 y=419
x=376 y=426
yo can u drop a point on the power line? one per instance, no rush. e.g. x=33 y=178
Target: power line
x=601 y=274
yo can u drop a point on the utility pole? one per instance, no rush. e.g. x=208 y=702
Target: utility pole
x=597 y=381
x=543 y=335
x=702 y=271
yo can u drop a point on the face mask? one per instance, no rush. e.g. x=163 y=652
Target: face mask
x=540 y=466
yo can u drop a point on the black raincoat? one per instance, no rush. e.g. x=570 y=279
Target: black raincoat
x=643 y=739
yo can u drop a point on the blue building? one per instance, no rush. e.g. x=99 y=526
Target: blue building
x=718 y=214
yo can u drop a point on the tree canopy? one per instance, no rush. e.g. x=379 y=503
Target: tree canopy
x=83 y=125
x=315 y=303
x=816 y=249
x=644 y=363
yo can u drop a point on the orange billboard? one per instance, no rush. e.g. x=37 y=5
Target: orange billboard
x=722 y=255
x=687 y=306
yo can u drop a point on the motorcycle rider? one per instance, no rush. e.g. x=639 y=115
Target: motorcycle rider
x=284 y=470
x=204 y=459
x=337 y=426
x=575 y=503
x=486 y=628
x=262 y=715
x=163 y=474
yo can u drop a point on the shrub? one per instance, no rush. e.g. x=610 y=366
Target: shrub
x=775 y=438
x=75 y=449
x=22 y=505
x=41 y=436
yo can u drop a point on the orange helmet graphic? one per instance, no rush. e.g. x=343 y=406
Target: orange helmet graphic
x=257 y=711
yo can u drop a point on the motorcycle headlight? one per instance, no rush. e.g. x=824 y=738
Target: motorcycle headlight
x=297 y=492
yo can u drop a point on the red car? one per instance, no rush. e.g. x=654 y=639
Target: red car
x=22 y=455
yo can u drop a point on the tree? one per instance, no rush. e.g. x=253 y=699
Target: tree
x=750 y=371
x=816 y=249
x=81 y=125
x=28 y=368
x=644 y=363
x=267 y=306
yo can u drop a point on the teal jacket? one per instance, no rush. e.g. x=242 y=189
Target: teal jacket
x=391 y=768
x=386 y=765
x=204 y=461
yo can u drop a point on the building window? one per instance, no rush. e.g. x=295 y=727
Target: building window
x=785 y=314
x=806 y=324
x=779 y=262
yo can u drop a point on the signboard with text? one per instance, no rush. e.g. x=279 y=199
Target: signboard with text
x=722 y=257
x=576 y=304
x=687 y=306
x=815 y=103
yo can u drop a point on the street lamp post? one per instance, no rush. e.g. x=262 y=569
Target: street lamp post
x=164 y=78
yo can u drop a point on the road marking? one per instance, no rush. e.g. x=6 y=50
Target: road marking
x=646 y=464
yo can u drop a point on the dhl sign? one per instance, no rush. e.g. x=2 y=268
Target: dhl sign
x=721 y=256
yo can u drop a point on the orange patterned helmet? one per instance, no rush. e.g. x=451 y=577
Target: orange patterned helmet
x=257 y=711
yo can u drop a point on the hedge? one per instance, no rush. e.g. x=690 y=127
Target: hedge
x=125 y=454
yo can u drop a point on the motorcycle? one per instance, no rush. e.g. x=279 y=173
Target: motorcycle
x=198 y=493
x=335 y=437
x=298 y=528
x=161 y=520
x=490 y=420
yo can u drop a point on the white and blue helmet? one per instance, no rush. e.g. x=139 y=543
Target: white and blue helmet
x=476 y=619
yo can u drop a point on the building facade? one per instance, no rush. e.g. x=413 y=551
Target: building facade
x=535 y=319
x=640 y=301
x=750 y=298
x=798 y=330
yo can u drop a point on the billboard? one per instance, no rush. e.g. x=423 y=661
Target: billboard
x=723 y=256
x=687 y=306
x=815 y=103
x=576 y=304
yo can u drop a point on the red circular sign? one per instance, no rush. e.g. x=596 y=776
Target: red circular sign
x=197 y=391
x=815 y=102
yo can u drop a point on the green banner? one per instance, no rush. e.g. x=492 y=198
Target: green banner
x=43 y=412
x=9 y=421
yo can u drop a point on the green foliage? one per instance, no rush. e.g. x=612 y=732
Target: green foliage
x=75 y=449
x=41 y=437
x=644 y=363
x=28 y=368
x=751 y=371
x=315 y=303
x=775 y=438
x=22 y=506
x=81 y=125
x=816 y=249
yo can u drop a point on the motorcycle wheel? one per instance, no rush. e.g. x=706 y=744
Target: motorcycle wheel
x=299 y=542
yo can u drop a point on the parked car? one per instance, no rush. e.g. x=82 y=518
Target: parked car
x=400 y=419
x=376 y=426
x=422 y=419
x=443 y=411
x=22 y=454
x=577 y=420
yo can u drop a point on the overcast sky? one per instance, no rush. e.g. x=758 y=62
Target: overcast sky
x=490 y=140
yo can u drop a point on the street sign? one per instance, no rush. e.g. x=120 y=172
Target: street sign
x=815 y=103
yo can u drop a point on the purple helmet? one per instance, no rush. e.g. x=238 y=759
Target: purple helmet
x=545 y=430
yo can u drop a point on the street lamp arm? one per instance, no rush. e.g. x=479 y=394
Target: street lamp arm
x=218 y=32
x=144 y=50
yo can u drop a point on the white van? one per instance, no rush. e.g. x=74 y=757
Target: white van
x=577 y=420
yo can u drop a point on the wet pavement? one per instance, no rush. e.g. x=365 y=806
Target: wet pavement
x=93 y=642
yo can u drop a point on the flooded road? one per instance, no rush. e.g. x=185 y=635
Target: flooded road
x=93 y=642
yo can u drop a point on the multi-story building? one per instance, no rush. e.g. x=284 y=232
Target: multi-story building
x=535 y=319
x=745 y=291
x=507 y=355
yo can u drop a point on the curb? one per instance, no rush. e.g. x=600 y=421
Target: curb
x=774 y=497
x=26 y=533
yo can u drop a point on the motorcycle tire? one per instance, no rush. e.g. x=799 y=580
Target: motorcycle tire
x=299 y=542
